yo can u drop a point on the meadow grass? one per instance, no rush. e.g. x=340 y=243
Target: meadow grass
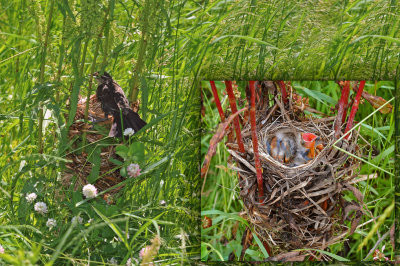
x=48 y=51
x=220 y=193
x=158 y=52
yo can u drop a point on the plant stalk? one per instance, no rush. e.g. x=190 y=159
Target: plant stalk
x=232 y=102
x=41 y=76
x=255 y=141
x=217 y=101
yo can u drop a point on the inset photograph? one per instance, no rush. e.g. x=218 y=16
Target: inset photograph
x=297 y=171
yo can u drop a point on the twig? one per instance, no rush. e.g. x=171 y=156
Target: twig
x=377 y=244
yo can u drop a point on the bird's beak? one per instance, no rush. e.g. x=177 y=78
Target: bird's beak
x=320 y=147
x=309 y=143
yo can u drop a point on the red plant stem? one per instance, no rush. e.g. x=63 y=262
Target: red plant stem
x=232 y=102
x=354 y=108
x=255 y=141
x=346 y=106
x=283 y=91
x=217 y=101
x=341 y=110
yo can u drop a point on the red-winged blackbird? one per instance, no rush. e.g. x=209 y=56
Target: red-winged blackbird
x=114 y=102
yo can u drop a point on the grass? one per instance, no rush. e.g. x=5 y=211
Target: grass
x=48 y=51
x=158 y=52
x=220 y=194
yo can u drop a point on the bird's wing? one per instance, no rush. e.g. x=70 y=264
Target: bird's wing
x=119 y=98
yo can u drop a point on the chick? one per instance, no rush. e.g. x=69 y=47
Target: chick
x=308 y=145
x=282 y=146
x=293 y=148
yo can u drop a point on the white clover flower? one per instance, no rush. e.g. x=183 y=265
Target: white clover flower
x=51 y=223
x=129 y=262
x=89 y=191
x=40 y=207
x=133 y=170
x=113 y=261
x=182 y=236
x=129 y=132
x=77 y=219
x=163 y=202
x=31 y=197
x=1 y=249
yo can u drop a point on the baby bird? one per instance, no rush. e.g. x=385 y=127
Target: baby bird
x=282 y=147
x=308 y=146
x=293 y=148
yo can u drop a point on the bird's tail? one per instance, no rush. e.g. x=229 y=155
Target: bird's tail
x=130 y=119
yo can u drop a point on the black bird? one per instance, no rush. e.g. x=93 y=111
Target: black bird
x=114 y=102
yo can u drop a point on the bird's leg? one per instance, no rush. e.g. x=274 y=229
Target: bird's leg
x=95 y=120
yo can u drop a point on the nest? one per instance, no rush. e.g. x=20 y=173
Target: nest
x=303 y=205
x=80 y=168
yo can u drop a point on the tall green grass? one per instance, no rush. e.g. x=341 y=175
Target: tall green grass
x=48 y=49
x=220 y=194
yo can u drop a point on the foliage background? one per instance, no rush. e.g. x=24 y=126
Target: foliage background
x=220 y=193
x=165 y=48
x=48 y=49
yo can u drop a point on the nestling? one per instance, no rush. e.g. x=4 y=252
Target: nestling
x=293 y=148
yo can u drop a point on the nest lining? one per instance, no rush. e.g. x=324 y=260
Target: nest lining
x=303 y=205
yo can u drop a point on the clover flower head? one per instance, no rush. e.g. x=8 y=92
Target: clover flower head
x=133 y=170
x=51 y=223
x=77 y=219
x=89 y=191
x=40 y=207
x=31 y=197
x=129 y=132
x=1 y=249
x=113 y=261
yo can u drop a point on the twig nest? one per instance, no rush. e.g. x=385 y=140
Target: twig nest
x=82 y=163
x=303 y=204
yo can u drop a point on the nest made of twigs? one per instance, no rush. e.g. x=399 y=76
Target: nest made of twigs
x=79 y=169
x=303 y=205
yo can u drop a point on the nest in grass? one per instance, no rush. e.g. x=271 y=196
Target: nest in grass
x=79 y=169
x=303 y=205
